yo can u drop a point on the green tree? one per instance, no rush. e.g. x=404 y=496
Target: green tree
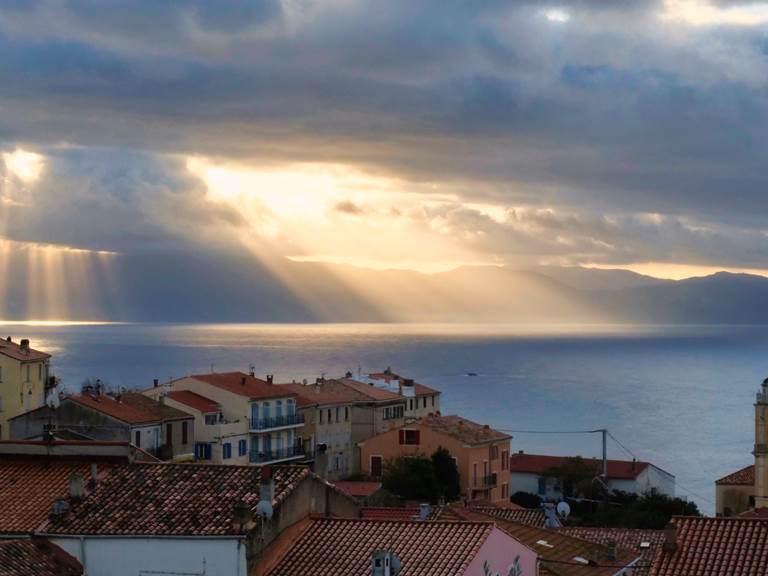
x=447 y=474
x=411 y=478
x=526 y=499
x=577 y=478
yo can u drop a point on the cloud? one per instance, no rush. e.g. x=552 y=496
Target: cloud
x=348 y=207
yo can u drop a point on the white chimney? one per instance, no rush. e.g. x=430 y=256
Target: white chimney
x=424 y=511
x=384 y=563
x=76 y=486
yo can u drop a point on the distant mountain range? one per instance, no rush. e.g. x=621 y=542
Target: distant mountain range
x=223 y=288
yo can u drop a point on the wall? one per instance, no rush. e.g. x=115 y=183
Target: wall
x=73 y=416
x=502 y=555
x=131 y=556
x=415 y=408
x=336 y=433
x=18 y=394
x=388 y=446
x=736 y=498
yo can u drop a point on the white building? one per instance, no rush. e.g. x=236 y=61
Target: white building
x=529 y=474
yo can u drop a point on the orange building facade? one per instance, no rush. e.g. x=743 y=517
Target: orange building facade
x=481 y=453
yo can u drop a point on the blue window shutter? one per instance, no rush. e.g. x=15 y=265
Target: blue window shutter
x=207 y=451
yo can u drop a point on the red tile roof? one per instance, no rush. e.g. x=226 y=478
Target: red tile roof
x=36 y=558
x=755 y=513
x=557 y=551
x=194 y=401
x=13 y=350
x=716 y=547
x=743 y=477
x=646 y=543
x=539 y=464
x=172 y=499
x=357 y=489
x=388 y=513
x=529 y=516
x=465 y=430
x=369 y=390
x=30 y=486
x=330 y=547
x=324 y=394
x=132 y=408
x=244 y=385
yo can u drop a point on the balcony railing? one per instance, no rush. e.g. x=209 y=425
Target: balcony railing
x=487 y=481
x=276 y=422
x=274 y=455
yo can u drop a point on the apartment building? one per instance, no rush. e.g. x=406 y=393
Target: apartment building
x=24 y=380
x=248 y=408
x=481 y=453
x=421 y=400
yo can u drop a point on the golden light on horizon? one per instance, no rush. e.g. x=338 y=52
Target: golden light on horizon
x=27 y=166
x=704 y=13
x=672 y=271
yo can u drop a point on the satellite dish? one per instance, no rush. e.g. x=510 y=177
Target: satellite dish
x=563 y=509
x=264 y=509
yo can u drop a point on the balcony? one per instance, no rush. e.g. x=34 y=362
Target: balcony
x=276 y=455
x=487 y=481
x=275 y=422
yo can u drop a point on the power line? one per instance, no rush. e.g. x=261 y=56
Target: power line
x=549 y=431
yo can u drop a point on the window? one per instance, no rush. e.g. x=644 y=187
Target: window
x=1 y=373
x=226 y=451
x=392 y=412
x=542 y=486
x=474 y=473
x=27 y=371
x=337 y=414
x=321 y=416
x=242 y=447
x=202 y=451
x=409 y=437
x=411 y=405
x=290 y=406
x=254 y=415
x=376 y=466
x=279 y=409
x=184 y=432
x=265 y=410
x=433 y=401
x=346 y=413
x=137 y=438
x=40 y=371
x=424 y=401
x=504 y=460
x=169 y=434
x=505 y=490
x=210 y=419
x=494 y=452
x=1 y=403
x=329 y=415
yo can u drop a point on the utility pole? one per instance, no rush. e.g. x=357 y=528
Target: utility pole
x=605 y=455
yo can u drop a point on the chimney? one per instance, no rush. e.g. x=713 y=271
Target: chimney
x=424 y=511
x=242 y=381
x=611 y=553
x=634 y=461
x=270 y=378
x=24 y=345
x=155 y=382
x=241 y=515
x=94 y=477
x=348 y=374
x=76 y=486
x=384 y=563
x=252 y=371
x=670 y=537
x=266 y=485
x=8 y=339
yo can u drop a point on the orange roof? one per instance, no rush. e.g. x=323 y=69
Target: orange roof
x=716 y=547
x=172 y=500
x=643 y=542
x=755 y=513
x=322 y=394
x=465 y=430
x=132 y=408
x=743 y=477
x=13 y=350
x=333 y=547
x=529 y=516
x=195 y=401
x=357 y=489
x=243 y=385
x=388 y=513
x=539 y=464
x=36 y=558
x=30 y=486
x=369 y=390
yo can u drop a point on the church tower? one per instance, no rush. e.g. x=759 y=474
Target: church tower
x=761 y=447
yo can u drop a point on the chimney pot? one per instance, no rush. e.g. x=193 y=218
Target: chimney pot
x=156 y=382
x=24 y=345
x=611 y=544
x=242 y=381
x=670 y=537
x=270 y=378
x=8 y=339
x=76 y=486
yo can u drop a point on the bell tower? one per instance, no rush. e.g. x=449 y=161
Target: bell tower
x=761 y=447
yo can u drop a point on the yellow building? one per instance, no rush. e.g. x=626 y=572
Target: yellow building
x=23 y=380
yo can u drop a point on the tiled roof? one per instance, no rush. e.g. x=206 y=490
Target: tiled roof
x=244 y=385
x=322 y=394
x=465 y=430
x=194 y=401
x=132 y=408
x=30 y=486
x=643 y=542
x=561 y=549
x=755 y=513
x=13 y=350
x=419 y=389
x=716 y=547
x=357 y=489
x=538 y=464
x=529 y=516
x=743 y=477
x=330 y=547
x=36 y=558
x=388 y=513
x=369 y=390
x=172 y=499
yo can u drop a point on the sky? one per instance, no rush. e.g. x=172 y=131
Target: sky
x=416 y=135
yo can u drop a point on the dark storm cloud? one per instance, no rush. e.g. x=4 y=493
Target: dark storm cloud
x=613 y=112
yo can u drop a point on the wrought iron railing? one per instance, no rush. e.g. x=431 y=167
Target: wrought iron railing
x=275 y=422
x=262 y=457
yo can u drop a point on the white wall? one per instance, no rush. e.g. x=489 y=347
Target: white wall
x=129 y=556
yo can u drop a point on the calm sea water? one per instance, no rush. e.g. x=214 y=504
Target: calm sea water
x=678 y=397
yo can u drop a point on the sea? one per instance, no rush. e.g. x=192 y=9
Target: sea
x=679 y=397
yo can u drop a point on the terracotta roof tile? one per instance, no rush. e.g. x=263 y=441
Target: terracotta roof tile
x=30 y=486
x=357 y=489
x=36 y=558
x=538 y=464
x=743 y=477
x=388 y=513
x=244 y=385
x=465 y=430
x=194 y=401
x=755 y=513
x=330 y=547
x=324 y=394
x=172 y=499
x=646 y=543
x=716 y=547
x=560 y=548
x=369 y=390
x=13 y=350
x=529 y=516
x=133 y=408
